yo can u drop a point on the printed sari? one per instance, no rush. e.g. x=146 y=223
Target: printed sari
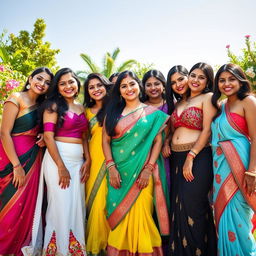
x=232 y=206
x=97 y=227
x=17 y=205
x=133 y=231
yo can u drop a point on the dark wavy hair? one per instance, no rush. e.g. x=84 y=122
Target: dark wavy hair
x=41 y=98
x=89 y=102
x=116 y=74
x=55 y=102
x=239 y=74
x=158 y=75
x=116 y=105
x=208 y=72
x=171 y=96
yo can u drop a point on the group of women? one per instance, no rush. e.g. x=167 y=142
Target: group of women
x=146 y=168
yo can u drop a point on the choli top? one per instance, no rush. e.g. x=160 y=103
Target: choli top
x=191 y=118
x=240 y=122
x=74 y=125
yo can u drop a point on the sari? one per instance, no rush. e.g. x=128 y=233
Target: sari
x=232 y=206
x=17 y=205
x=97 y=228
x=133 y=230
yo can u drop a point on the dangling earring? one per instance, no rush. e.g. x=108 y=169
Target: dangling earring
x=76 y=94
x=90 y=99
x=121 y=98
x=28 y=86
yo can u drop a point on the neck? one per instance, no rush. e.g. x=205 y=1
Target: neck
x=232 y=98
x=132 y=104
x=70 y=101
x=155 y=101
x=98 y=104
x=32 y=96
x=192 y=95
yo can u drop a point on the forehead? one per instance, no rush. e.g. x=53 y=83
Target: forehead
x=128 y=80
x=225 y=74
x=176 y=75
x=198 y=71
x=94 y=81
x=152 y=79
x=66 y=77
x=44 y=75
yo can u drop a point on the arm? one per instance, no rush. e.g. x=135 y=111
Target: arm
x=10 y=113
x=114 y=176
x=64 y=176
x=208 y=113
x=85 y=169
x=166 y=150
x=145 y=174
x=250 y=177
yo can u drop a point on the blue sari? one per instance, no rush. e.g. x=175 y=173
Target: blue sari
x=233 y=208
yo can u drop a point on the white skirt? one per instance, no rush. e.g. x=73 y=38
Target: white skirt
x=65 y=215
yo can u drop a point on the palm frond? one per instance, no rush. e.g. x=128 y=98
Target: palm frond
x=92 y=66
x=109 y=66
x=115 y=53
x=126 y=65
x=4 y=56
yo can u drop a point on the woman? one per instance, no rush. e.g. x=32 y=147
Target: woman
x=64 y=170
x=131 y=144
x=20 y=161
x=234 y=149
x=192 y=227
x=96 y=88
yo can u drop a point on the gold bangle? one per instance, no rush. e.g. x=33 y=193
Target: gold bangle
x=17 y=165
x=252 y=174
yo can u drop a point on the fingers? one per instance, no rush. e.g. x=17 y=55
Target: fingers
x=188 y=175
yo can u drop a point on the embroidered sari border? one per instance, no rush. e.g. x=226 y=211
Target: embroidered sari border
x=96 y=187
x=112 y=251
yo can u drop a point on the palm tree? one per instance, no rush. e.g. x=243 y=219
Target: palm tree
x=109 y=64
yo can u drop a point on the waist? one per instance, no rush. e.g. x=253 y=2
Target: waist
x=185 y=146
x=69 y=139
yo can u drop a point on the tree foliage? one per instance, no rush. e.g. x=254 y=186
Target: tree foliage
x=247 y=61
x=26 y=51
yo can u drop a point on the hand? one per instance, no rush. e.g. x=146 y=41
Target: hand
x=143 y=179
x=114 y=177
x=85 y=171
x=250 y=184
x=64 y=177
x=40 y=140
x=166 y=150
x=19 y=177
x=187 y=169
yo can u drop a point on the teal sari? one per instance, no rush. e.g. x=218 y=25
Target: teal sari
x=135 y=134
x=233 y=208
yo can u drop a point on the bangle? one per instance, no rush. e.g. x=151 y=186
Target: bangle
x=110 y=165
x=17 y=165
x=150 y=166
x=109 y=161
x=252 y=174
x=191 y=154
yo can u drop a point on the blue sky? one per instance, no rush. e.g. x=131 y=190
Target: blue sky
x=163 y=32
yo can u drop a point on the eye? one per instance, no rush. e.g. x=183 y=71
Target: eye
x=181 y=79
x=221 y=80
x=48 y=83
x=148 y=84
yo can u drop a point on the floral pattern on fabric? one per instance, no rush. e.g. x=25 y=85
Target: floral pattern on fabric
x=75 y=248
x=51 y=249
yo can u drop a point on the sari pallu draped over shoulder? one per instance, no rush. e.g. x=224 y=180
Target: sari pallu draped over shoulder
x=17 y=205
x=232 y=206
x=135 y=134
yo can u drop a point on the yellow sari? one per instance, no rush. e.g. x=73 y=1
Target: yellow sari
x=97 y=228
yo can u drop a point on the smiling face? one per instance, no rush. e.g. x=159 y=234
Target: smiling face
x=197 y=81
x=228 y=84
x=154 y=88
x=129 y=89
x=96 y=89
x=40 y=83
x=179 y=83
x=68 y=86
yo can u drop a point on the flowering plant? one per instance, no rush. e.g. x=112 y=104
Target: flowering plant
x=247 y=61
x=10 y=81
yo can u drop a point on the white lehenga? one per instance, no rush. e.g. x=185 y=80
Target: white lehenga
x=65 y=215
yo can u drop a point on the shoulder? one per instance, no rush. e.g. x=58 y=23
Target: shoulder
x=207 y=96
x=249 y=102
x=15 y=98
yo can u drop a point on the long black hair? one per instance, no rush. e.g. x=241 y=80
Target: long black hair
x=158 y=75
x=55 y=102
x=171 y=96
x=208 y=72
x=89 y=102
x=116 y=74
x=116 y=105
x=40 y=98
x=238 y=73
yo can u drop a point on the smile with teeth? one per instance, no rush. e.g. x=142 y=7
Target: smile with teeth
x=39 y=88
x=227 y=89
x=195 y=85
x=97 y=93
x=180 y=89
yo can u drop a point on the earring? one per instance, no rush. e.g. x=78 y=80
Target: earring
x=28 y=86
x=90 y=99
x=121 y=98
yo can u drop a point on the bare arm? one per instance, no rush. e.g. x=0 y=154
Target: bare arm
x=250 y=110
x=114 y=176
x=10 y=113
x=64 y=176
x=208 y=113
x=85 y=169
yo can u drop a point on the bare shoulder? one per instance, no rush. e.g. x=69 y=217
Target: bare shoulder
x=207 y=96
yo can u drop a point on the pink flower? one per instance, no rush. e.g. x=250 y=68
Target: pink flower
x=11 y=84
x=2 y=68
x=247 y=36
x=227 y=46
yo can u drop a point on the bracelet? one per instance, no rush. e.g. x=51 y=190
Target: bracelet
x=110 y=165
x=252 y=174
x=109 y=161
x=191 y=154
x=150 y=166
x=17 y=165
